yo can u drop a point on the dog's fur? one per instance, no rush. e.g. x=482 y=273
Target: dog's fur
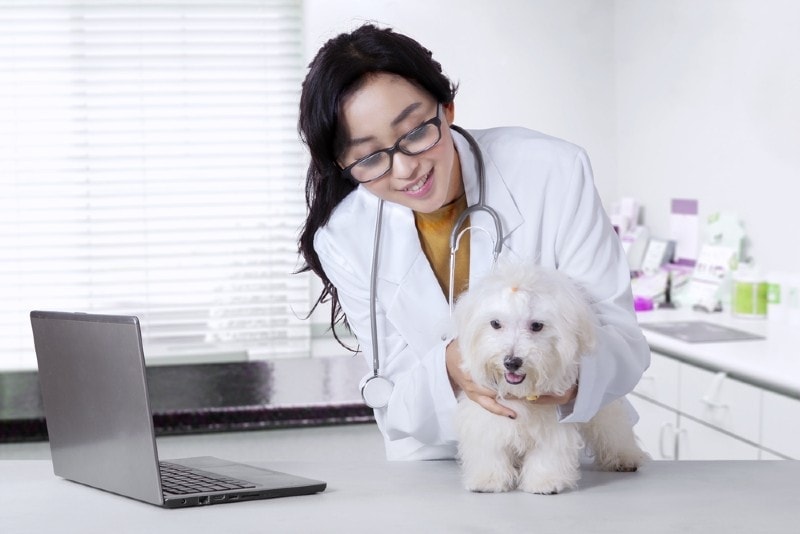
x=522 y=331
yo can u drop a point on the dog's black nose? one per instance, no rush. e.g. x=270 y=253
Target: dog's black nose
x=512 y=363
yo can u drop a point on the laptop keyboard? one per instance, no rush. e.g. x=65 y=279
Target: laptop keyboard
x=181 y=480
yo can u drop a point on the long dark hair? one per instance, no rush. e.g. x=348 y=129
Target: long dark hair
x=340 y=66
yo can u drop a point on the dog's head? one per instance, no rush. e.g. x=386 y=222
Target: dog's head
x=522 y=330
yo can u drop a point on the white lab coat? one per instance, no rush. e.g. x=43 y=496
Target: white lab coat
x=543 y=190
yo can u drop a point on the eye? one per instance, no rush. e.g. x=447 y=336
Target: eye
x=536 y=326
x=495 y=324
x=373 y=160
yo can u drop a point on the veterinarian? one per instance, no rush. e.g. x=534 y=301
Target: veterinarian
x=376 y=114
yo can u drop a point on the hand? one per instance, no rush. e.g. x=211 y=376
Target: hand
x=461 y=381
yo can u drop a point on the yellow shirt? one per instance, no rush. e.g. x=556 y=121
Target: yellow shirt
x=434 y=231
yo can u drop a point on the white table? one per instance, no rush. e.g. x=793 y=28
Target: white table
x=412 y=497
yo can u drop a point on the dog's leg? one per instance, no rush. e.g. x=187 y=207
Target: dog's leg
x=610 y=437
x=553 y=465
x=486 y=463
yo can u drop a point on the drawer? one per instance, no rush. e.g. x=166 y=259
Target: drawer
x=655 y=429
x=779 y=424
x=660 y=381
x=721 y=402
x=699 y=442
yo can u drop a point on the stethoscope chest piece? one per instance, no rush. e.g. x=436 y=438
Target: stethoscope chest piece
x=376 y=391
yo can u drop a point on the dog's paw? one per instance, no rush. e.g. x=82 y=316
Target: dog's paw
x=546 y=486
x=625 y=462
x=488 y=483
x=626 y=468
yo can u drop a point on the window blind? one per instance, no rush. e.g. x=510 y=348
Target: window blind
x=150 y=165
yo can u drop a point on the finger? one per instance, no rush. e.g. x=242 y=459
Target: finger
x=477 y=390
x=488 y=403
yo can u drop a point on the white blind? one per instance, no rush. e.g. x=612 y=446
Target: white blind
x=150 y=164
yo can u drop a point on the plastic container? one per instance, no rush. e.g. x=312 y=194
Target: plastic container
x=748 y=294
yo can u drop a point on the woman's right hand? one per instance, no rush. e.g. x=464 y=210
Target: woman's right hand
x=461 y=381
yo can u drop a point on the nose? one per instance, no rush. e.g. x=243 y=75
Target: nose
x=512 y=363
x=403 y=165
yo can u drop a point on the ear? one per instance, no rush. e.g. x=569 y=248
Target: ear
x=579 y=324
x=449 y=112
x=584 y=325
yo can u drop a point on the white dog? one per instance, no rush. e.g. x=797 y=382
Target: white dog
x=522 y=331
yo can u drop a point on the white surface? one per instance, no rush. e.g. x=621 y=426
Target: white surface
x=403 y=497
x=772 y=363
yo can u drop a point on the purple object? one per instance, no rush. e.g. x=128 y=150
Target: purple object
x=684 y=206
x=642 y=304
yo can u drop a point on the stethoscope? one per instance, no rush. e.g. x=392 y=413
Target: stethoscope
x=377 y=389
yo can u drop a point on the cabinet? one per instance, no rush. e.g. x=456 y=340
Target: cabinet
x=779 y=416
x=690 y=413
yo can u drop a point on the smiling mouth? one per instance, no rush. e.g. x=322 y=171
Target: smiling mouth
x=416 y=186
x=515 y=378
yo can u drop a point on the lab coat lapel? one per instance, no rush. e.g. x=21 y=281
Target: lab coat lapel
x=413 y=300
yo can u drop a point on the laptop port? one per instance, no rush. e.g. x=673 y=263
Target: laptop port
x=204 y=499
x=218 y=498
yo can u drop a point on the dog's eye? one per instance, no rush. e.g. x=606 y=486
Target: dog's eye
x=536 y=326
x=495 y=324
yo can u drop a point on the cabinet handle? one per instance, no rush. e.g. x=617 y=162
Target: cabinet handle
x=664 y=429
x=711 y=398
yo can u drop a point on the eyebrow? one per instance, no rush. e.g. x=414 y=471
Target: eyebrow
x=397 y=120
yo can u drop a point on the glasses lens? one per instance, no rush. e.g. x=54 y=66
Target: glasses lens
x=371 y=167
x=420 y=139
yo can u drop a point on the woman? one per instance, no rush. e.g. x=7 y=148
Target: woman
x=375 y=113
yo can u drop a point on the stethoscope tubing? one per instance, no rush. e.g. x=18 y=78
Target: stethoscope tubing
x=377 y=390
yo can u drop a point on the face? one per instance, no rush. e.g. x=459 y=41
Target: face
x=375 y=116
x=523 y=330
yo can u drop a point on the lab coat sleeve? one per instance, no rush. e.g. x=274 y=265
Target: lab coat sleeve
x=422 y=405
x=589 y=251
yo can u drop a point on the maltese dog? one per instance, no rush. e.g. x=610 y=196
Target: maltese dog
x=522 y=331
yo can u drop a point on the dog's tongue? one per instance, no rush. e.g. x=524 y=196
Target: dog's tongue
x=514 y=378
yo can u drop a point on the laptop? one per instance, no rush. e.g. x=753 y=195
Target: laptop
x=94 y=390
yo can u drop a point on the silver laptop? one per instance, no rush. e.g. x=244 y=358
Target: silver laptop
x=94 y=390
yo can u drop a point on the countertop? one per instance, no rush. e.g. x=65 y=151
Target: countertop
x=288 y=393
x=403 y=497
x=772 y=363
x=217 y=397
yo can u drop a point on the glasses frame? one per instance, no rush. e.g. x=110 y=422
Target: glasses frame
x=348 y=171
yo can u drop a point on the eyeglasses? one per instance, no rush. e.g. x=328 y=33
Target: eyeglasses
x=378 y=164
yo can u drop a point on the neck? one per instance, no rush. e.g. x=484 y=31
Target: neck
x=456 y=188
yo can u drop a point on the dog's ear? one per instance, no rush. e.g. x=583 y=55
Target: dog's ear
x=579 y=322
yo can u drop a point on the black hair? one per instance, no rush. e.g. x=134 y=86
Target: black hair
x=340 y=66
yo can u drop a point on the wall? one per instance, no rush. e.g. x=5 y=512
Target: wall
x=544 y=64
x=686 y=98
x=708 y=107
